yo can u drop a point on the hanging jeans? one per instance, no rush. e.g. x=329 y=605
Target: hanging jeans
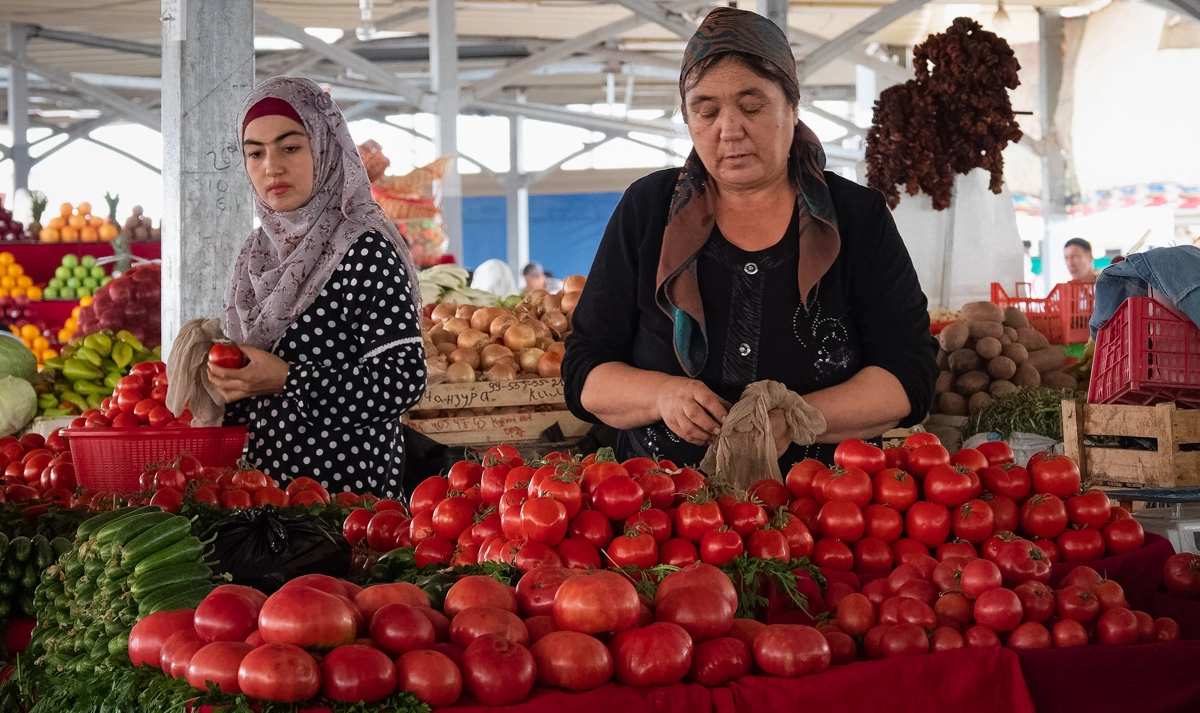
x=1174 y=272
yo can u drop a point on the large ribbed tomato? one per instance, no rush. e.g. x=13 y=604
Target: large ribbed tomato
x=306 y=617
x=596 y=601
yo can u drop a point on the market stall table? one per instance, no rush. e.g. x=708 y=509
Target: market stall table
x=40 y=260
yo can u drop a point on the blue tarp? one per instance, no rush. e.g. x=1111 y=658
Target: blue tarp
x=564 y=229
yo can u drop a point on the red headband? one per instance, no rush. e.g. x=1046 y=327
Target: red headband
x=271 y=106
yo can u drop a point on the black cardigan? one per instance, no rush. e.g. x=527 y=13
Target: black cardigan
x=869 y=311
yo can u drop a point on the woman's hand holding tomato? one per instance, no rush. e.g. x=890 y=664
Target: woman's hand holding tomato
x=264 y=373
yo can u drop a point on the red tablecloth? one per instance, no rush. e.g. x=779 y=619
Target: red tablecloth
x=957 y=681
x=1155 y=678
x=609 y=698
x=1140 y=573
x=1184 y=611
x=40 y=260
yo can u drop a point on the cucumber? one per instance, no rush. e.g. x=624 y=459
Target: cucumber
x=187 y=599
x=184 y=551
x=124 y=529
x=168 y=576
x=27 y=605
x=20 y=549
x=153 y=598
x=119 y=646
x=5 y=608
x=13 y=569
x=3 y=543
x=61 y=546
x=43 y=553
x=88 y=527
x=30 y=576
x=74 y=568
x=154 y=540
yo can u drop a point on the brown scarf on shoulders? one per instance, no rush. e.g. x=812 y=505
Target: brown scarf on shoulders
x=691 y=218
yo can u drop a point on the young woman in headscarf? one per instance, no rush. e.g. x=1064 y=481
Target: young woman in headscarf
x=751 y=263
x=324 y=303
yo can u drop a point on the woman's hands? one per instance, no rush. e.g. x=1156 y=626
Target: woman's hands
x=264 y=374
x=691 y=410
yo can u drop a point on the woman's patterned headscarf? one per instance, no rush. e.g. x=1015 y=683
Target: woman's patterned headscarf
x=284 y=265
x=690 y=221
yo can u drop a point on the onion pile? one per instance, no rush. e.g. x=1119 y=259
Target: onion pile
x=466 y=343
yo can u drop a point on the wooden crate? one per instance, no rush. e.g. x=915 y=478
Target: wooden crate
x=491 y=428
x=1164 y=468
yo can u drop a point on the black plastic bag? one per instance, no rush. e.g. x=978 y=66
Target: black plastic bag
x=264 y=548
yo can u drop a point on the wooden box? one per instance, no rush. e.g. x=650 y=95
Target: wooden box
x=1166 y=467
x=511 y=411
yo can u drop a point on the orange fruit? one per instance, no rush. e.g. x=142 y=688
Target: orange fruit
x=40 y=343
x=69 y=235
x=84 y=208
x=3 y=292
x=88 y=234
x=95 y=221
x=34 y=293
x=15 y=271
x=8 y=282
x=64 y=335
x=49 y=354
x=56 y=222
x=66 y=209
x=6 y=259
x=77 y=221
x=29 y=332
x=108 y=231
x=24 y=281
x=49 y=235
x=84 y=302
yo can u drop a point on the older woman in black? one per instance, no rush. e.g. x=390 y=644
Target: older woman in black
x=751 y=263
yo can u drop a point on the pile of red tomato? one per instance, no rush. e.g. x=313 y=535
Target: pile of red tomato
x=870 y=512
x=140 y=399
x=37 y=468
x=229 y=488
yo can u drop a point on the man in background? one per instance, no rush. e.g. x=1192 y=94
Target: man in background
x=1078 y=255
x=537 y=279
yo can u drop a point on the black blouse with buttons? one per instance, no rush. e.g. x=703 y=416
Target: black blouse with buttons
x=869 y=310
x=356 y=364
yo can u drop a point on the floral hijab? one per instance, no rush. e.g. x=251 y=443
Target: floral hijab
x=284 y=264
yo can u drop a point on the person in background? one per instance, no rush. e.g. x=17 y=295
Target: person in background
x=1078 y=254
x=536 y=278
x=496 y=277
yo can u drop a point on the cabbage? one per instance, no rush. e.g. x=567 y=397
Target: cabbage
x=18 y=404
x=15 y=359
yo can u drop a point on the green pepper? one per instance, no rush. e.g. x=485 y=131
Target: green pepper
x=94 y=400
x=98 y=343
x=157 y=352
x=435 y=586
x=122 y=355
x=55 y=364
x=89 y=356
x=46 y=401
x=85 y=388
x=76 y=400
x=112 y=378
x=78 y=369
x=131 y=340
x=107 y=365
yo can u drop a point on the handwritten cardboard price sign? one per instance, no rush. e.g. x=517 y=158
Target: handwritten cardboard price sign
x=493 y=394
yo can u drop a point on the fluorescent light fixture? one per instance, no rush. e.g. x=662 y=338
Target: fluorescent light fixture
x=1001 y=20
x=328 y=35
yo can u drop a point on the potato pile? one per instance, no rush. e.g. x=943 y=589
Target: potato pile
x=990 y=353
x=467 y=343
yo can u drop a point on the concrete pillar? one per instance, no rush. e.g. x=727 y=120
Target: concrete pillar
x=775 y=11
x=443 y=71
x=208 y=206
x=1054 y=181
x=516 y=202
x=18 y=108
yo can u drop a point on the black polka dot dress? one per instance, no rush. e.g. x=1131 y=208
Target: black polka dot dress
x=357 y=363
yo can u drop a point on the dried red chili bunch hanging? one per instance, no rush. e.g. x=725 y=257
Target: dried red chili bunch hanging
x=952 y=117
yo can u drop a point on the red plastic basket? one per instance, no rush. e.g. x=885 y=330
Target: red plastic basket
x=1146 y=355
x=112 y=459
x=1062 y=316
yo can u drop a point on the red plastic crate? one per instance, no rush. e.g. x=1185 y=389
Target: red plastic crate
x=112 y=458
x=1062 y=316
x=1146 y=355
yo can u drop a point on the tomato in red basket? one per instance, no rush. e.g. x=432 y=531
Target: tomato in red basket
x=1182 y=575
x=170 y=478
x=227 y=356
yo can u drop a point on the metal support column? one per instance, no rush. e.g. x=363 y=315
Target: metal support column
x=516 y=193
x=208 y=207
x=774 y=10
x=1054 y=182
x=18 y=108
x=443 y=70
